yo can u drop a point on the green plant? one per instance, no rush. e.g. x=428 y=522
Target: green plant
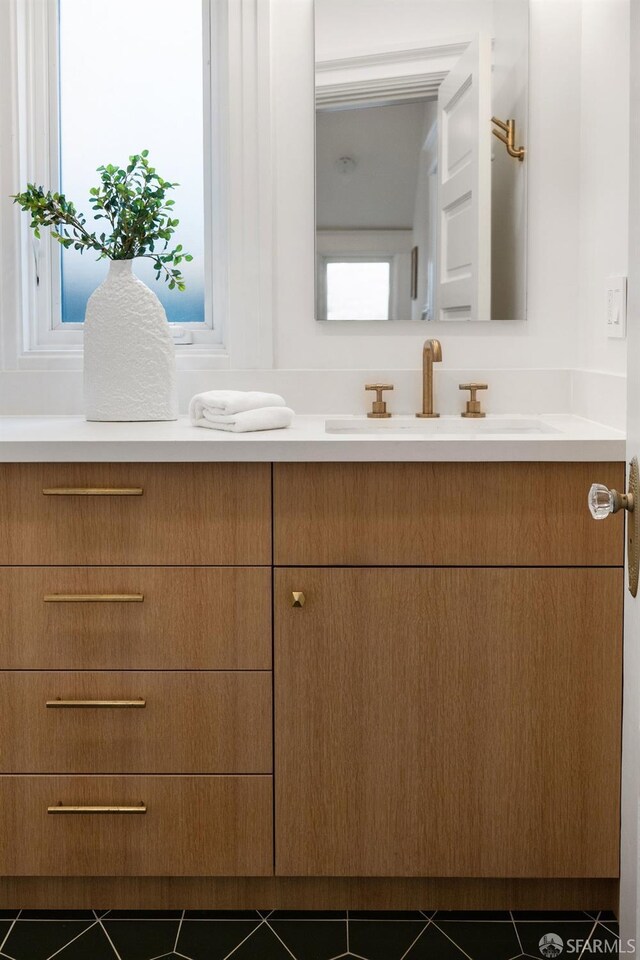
x=133 y=202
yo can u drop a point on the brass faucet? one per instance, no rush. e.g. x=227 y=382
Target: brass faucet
x=379 y=407
x=474 y=407
x=431 y=353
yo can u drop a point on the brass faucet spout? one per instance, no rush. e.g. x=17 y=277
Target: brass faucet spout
x=431 y=353
x=436 y=350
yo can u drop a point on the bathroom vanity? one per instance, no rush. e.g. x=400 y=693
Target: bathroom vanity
x=307 y=682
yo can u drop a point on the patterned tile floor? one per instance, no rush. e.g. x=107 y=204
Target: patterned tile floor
x=282 y=935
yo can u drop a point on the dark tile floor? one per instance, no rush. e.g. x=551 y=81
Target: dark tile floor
x=283 y=935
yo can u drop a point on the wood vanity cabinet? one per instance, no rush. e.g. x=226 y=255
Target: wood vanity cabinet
x=135 y=671
x=443 y=709
x=448 y=698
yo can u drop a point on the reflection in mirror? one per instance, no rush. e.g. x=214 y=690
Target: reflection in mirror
x=421 y=132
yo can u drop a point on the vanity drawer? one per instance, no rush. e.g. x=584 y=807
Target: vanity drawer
x=430 y=514
x=124 y=722
x=173 y=826
x=143 y=513
x=191 y=618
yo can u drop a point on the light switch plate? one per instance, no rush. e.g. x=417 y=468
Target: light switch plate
x=616 y=307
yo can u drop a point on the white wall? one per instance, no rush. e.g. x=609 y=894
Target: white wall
x=366 y=25
x=577 y=179
x=602 y=156
x=509 y=99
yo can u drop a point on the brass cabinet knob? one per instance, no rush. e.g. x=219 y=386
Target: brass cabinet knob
x=297 y=599
x=473 y=408
x=379 y=406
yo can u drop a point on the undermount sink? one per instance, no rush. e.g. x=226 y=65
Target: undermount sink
x=441 y=426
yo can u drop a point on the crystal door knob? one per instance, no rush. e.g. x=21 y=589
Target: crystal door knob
x=603 y=501
x=600 y=501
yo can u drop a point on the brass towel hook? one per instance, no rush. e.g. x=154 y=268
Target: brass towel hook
x=508 y=137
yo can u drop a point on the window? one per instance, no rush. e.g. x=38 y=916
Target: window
x=131 y=78
x=358 y=289
x=191 y=81
x=96 y=84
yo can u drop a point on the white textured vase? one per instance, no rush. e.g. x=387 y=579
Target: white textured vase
x=129 y=355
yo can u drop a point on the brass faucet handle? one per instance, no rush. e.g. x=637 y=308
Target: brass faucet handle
x=474 y=407
x=379 y=406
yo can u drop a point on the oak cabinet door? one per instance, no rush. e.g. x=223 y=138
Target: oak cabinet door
x=448 y=722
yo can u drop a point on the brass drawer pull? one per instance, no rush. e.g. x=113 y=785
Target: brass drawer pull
x=97 y=703
x=93 y=597
x=110 y=808
x=92 y=491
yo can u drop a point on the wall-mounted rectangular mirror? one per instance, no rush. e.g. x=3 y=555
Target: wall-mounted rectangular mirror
x=421 y=160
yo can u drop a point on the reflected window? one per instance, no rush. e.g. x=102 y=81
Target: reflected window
x=131 y=78
x=358 y=289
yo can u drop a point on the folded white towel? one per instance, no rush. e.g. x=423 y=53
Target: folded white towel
x=228 y=402
x=265 y=418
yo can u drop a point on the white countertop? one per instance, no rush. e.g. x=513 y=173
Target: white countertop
x=73 y=439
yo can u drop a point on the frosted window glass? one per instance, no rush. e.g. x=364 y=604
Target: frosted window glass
x=358 y=291
x=131 y=79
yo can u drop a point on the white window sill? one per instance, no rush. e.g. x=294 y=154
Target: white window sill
x=194 y=356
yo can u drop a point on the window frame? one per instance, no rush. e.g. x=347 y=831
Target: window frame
x=46 y=329
x=239 y=183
